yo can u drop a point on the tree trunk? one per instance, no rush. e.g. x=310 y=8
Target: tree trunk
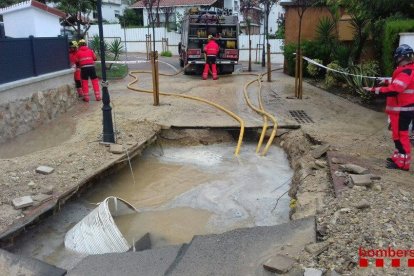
x=250 y=53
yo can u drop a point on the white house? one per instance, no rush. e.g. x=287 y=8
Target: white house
x=31 y=18
x=111 y=9
x=171 y=9
x=180 y=6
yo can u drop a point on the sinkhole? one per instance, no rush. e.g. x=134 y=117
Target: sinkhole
x=184 y=184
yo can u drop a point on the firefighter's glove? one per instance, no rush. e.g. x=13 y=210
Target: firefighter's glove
x=375 y=90
x=384 y=82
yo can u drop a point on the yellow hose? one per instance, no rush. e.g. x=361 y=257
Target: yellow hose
x=240 y=120
x=242 y=124
x=262 y=112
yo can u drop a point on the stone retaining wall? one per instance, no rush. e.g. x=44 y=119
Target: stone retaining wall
x=34 y=104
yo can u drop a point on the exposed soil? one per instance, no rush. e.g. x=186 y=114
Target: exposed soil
x=349 y=128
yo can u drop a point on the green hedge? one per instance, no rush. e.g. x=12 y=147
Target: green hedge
x=310 y=49
x=390 y=41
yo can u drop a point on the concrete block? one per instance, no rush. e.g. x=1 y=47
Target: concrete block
x=116 y=149
x=320 y=150
x=316 y=248
x=312 y=272
x=22 y=202
x=42 y=198
x=352 y=168
x=44 y=170
x=279 y=264
x=12 y=264
x=361 y=180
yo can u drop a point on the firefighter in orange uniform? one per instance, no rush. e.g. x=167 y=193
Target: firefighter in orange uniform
x=402 y=108
x=73 y=49
x=86 y=60
x=210 y=51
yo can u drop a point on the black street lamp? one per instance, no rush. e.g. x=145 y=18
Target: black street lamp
x=108 y=129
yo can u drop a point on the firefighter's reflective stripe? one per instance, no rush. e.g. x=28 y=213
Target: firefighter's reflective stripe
x=398 y=109
x=400 y=83
x=409 y=91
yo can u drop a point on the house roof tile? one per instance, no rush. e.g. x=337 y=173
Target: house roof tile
x=174 y=3
x=32 y=3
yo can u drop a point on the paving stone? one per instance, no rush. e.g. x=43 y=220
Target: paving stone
x=361 y=180
x=44 y=170
x=116 y=149
x=319 y=151
x=41 y=198
x=352 y=168
x=12 y=264
x=317 y=248
x=22 y=202
x=279 y=264
x=312 y=272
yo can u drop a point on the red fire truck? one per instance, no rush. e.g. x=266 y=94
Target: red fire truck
x=197 y=25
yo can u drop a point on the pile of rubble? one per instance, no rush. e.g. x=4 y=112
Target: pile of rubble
x=369 y=213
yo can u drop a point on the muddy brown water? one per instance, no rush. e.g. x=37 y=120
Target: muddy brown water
x=179 y=192
x=45 y=136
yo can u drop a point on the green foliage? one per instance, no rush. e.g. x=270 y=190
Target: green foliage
x=116 y=48
x=74 y=8
x=118 y=71
x=333 y=79
x=95 y=45
x=390 y=41
x=166 y=54
x=325 y=31
x=314 y=70
x=280 y=33
x=179 y=21
x=131 y=18
x=342 y=54
x=356 y=82
x=6 y=3
x=289 y=51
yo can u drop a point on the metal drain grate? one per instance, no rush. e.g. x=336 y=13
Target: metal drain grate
x=300 y=116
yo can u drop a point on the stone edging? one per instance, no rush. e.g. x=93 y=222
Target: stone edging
x=311 y=181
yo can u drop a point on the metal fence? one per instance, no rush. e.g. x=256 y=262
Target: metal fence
x=22 y=58
x=134 y=40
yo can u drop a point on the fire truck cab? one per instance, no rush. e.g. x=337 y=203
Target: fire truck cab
x=196 y=27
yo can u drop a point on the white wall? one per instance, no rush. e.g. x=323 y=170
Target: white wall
x=273 y=16
x=19 y=24
x=108 y=11
x=135 y=38
x=46 y=24
x=407 y=38
x=31 y=21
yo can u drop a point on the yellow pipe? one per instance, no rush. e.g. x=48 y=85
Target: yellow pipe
x=242 y=124
x=262 y=112
x=240 y=120
x=264 y=128
x=275 y=125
